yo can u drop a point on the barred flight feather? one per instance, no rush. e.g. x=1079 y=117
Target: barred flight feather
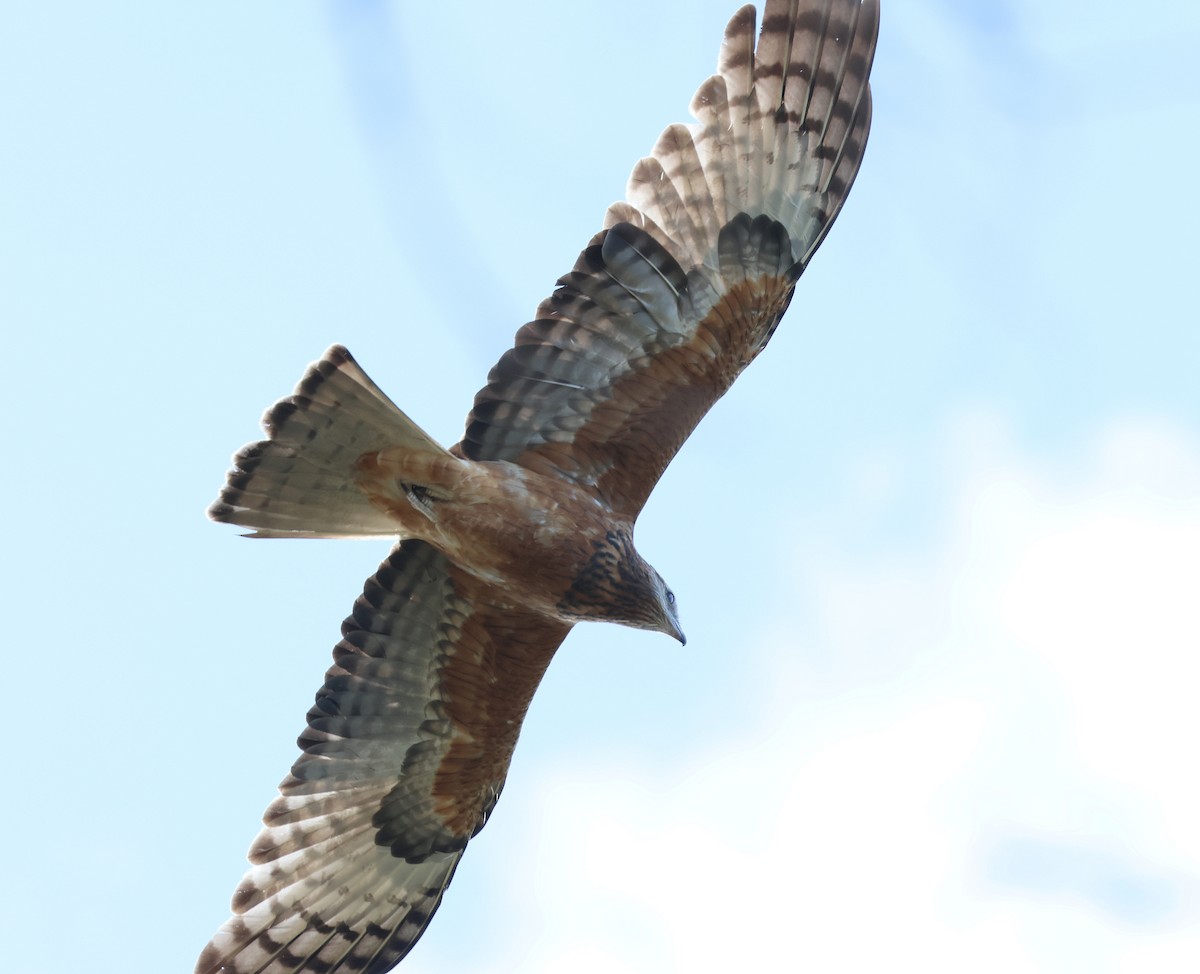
x=779 y=137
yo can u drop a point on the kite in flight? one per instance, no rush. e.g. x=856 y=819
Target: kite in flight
x=525 y=526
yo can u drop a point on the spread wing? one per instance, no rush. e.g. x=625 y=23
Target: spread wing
x=686 y=283
x=405 y=754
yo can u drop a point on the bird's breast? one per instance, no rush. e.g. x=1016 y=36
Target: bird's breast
x=527 y=533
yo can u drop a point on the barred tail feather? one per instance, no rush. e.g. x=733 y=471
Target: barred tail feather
x=301 y=481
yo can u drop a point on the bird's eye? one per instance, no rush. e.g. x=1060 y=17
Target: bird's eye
x=670 y=597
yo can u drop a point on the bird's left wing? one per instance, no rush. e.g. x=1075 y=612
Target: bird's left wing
x=690 y=277
x=405 y=753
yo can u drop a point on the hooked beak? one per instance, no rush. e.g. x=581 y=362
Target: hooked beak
x=678 y=633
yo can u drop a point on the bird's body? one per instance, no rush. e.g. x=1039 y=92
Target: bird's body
x=519 y=531
x=525 y=527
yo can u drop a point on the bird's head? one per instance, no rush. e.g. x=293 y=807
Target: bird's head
x=618 y=585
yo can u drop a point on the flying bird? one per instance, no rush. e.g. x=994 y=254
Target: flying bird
x=525 y=526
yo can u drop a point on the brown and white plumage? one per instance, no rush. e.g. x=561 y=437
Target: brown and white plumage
x=525 y=526
x=687 y=281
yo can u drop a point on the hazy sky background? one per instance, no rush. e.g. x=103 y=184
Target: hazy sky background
x=937 y=553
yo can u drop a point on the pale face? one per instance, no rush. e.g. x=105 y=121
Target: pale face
x=669 y=610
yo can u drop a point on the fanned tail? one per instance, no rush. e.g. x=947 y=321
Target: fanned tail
x=301 y=482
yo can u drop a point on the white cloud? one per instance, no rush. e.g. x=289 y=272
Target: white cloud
x=986 y=762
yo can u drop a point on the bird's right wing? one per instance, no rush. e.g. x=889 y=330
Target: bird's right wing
x=405 y=754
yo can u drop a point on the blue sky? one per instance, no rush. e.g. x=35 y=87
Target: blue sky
x=937 y=552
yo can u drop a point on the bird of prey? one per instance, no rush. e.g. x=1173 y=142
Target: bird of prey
x=525 y=526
